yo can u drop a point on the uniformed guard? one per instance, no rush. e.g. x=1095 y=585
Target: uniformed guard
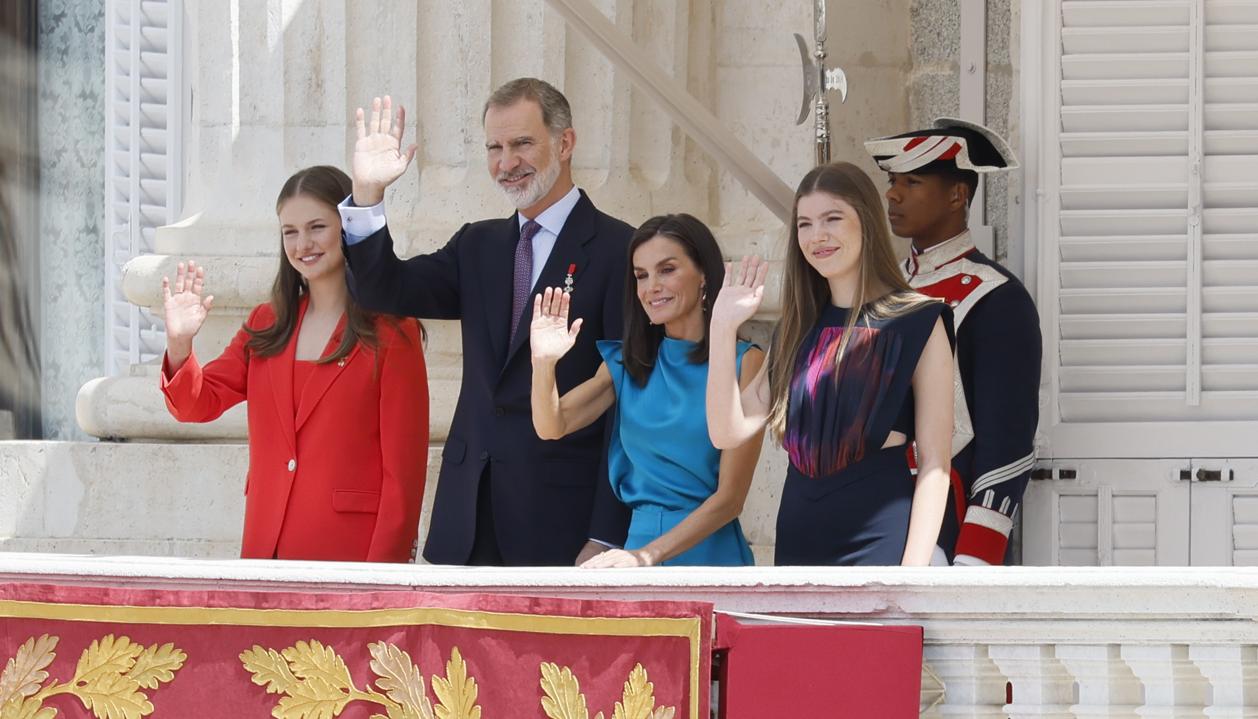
x=932 y=176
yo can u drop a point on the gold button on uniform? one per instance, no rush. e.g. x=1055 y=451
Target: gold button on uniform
x=292 y=465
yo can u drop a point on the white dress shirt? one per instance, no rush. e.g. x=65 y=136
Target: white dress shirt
x=360 y=223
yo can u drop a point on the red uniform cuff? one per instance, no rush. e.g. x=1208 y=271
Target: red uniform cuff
x=984 y=536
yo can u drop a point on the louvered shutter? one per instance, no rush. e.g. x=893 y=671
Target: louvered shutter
x=1156 y=292
x=1114 y=512
x=142 y=143
x=1229 y=244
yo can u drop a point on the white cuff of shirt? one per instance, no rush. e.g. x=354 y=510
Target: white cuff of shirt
x=609 y=545
x=359 y=223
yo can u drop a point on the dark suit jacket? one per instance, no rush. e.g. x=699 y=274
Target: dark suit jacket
x=549 y=497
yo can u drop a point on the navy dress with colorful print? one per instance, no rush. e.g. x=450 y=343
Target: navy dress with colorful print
x=846 y=499
x=660 y=460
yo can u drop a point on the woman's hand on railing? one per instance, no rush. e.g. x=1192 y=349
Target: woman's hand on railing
x=617 y=558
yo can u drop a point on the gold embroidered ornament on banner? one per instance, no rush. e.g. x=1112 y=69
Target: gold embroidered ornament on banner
x=564 y=699
x=316 y=683
x=107 y=680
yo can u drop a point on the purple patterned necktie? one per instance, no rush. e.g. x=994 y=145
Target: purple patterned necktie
x=523 y=273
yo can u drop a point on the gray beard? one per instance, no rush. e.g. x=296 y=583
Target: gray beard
x=542 y=183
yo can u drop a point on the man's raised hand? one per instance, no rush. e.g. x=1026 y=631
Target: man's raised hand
x=379 y=157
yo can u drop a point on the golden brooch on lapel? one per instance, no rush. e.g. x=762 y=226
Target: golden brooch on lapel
x=107 y=680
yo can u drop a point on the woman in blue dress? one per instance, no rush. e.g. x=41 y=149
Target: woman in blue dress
x=685 y=494
x=860 y=367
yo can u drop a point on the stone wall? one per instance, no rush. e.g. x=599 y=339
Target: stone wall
x=72 y=210
x=181 y=500
x=934 y=91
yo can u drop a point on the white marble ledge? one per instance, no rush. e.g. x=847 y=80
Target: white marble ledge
x=1011 y=604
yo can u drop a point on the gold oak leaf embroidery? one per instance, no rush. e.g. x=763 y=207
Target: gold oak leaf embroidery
x=114 y=696
x=315 y=683
x=314 y=662
x=457 y=691
x=269 y=669
x=24 y=672
x=313 y=680
x=156 y=665
x=401 y=681
x=563 y=699
x=311 y=699
x=26 y=708
x=107 y=680
x=638 y=699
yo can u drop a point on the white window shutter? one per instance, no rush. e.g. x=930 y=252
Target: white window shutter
x=1155 y=305
x=143 y=163
x=1230 y=212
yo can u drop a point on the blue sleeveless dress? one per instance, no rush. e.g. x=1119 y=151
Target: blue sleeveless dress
x=660 y=461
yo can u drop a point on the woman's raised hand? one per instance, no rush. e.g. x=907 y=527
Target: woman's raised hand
x=379 y=157
x=549 y=335
x=741 y=293
x=185 y=309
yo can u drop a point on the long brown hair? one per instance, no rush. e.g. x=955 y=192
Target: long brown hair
x=328 y=185
x=641 y=338
x=882 y=292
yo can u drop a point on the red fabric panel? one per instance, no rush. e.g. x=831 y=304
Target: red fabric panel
x=503 y=642
x=839 y=671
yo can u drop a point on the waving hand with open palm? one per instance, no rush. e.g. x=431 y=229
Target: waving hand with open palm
x=379 y=157
x=185 y=310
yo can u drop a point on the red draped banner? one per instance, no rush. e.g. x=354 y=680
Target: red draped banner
x=121 y=653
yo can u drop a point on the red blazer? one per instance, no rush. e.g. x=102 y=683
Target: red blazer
x=344 y=478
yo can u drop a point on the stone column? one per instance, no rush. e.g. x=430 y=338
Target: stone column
x=1041 y=685
x=1173 y=686
x=974 y=686
x=1231 y=672
x=1106 y=687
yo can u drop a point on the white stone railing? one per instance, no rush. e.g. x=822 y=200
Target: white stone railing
x=1087 y=642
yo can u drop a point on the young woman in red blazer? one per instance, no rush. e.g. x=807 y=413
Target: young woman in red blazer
x=337 y=397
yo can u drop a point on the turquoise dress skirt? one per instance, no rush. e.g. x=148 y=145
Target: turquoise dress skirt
x=660 y=460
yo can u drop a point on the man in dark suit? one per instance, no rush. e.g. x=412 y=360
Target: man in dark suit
x=504 y=496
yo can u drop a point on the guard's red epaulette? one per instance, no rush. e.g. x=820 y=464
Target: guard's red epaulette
x=947 y=271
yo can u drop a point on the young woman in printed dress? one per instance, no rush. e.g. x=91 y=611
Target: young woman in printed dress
x=859 y=367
